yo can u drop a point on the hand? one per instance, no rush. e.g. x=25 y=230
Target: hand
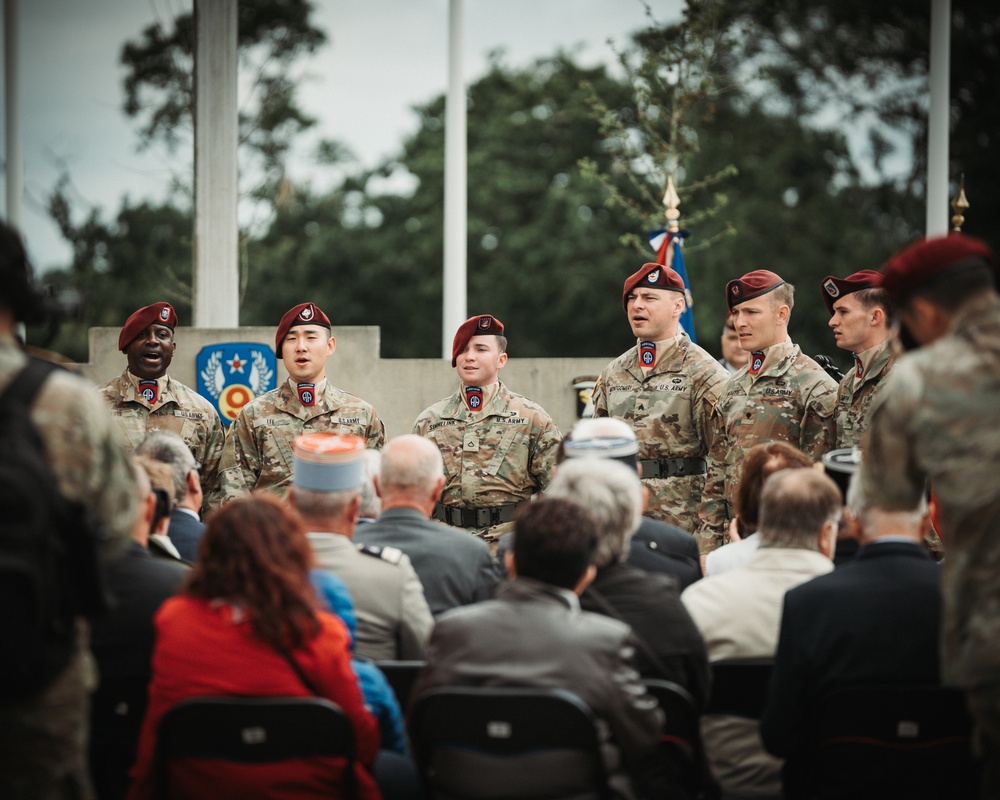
x=734 y=530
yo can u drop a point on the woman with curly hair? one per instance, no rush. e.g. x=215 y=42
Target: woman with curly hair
x=245 y=623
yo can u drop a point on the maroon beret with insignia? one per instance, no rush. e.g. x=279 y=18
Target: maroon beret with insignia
x=302 y=314
x=160 y=313
x=835 y=288
x=751 y=285
x=652 y=276
x=919 y=262
x=480 y=325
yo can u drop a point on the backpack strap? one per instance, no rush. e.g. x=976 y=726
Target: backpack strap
x=22 y=390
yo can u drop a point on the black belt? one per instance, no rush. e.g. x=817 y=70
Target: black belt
x=672 y=467
x=475 y=517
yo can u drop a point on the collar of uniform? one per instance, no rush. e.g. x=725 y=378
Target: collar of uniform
x=777 y=359
x=494 y=402
x=164 y=389
x=320 y=387
x=872 y=361
x=664 y=348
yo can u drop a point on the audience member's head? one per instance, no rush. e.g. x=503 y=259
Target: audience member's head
x=20 y=296
x=554 y=543
x=412 y=473
x=327 y=474
x=371 y=504
x=800 y=508
x=869 y=522
x=255 y=555
x=761 y=461
x=161 y=480
x=612 y=493
x=169 y=448
x=146 y=511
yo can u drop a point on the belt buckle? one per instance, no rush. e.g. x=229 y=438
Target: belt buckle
x=484 y=517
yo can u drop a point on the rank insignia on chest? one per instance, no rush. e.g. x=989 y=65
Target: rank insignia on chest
x=756 y=361
x=647 y=353
x=307 y=393
x=474 y=397
x=859 y=368
x=150 y=391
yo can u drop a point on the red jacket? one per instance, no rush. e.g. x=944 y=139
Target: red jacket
x=204 y=649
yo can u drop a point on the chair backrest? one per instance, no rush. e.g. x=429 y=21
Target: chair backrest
x=254 y=730
x=497 y=742
x=680 y=739
x=891 y=741
x=401 y=676
x=739 y=687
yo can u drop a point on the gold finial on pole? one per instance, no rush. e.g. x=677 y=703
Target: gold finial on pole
x=671 y=200
x=959 y=205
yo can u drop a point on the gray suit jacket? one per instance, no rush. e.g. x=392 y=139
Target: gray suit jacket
x=455 y=568
x=534 y=634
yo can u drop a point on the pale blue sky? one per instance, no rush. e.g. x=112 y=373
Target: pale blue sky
x=384 y=56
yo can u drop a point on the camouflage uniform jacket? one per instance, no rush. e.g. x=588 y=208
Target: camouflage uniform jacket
x=502 y=454
x=854 y=405
x=792 y=400
x=258 y=451
x=670 y=410
x=178 y=409
x=938 y=419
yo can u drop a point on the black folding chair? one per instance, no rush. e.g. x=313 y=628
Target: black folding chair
x=490 y=742
x=253 y=730
x=680 y=740
x=739 y=687
x=877 y=741
x=401 y=676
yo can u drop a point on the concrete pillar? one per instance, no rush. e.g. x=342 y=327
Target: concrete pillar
x=938 y=119
x=455 y=185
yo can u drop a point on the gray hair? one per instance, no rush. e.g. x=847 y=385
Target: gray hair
x=169 y=448
x=410 y=462
x=371 y=503
x=872 y=516
x=321 y=505
x=611 y=492
x=794 y=506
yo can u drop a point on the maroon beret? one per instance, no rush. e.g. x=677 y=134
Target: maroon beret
x=751 y=285
x=479 y=325
x=652 y=276
x=834 y=288
x=302 y=314
x=919 y=262
x=160 y=313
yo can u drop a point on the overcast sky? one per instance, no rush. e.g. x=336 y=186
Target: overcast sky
x=382 y=58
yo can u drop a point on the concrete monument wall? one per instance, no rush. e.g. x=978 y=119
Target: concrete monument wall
x=398 y=388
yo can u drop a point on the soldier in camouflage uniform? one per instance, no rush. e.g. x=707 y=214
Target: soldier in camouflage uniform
x=665 y=388
x=779 y=394
x=144 y=398
x=258 y=451
x=43 y=738
x=937 y=421
x=498 y=447
x=859 y=316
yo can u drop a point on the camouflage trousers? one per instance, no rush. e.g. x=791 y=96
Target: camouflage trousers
x=43 y=739
x=984 y=706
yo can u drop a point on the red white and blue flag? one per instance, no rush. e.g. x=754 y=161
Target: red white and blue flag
x=669 y=249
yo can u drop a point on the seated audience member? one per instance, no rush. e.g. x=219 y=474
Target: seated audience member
x=739 y=612
x=874 y=620
x=161 y=478
x=655 y=546
x=393 y=618
x=455 y=569
x=185 y=528
x=534 y=634
x=246 y=624
x=122 y=643
x=760 y=461
x=669 y=645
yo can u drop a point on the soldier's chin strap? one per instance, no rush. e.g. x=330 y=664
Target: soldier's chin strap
x=831 y=369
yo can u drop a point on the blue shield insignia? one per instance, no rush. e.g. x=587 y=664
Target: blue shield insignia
x=231 y=375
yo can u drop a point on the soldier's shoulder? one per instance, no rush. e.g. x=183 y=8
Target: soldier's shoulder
x=519 y=402
x=191 y=396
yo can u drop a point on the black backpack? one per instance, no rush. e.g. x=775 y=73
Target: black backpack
x=48 y=563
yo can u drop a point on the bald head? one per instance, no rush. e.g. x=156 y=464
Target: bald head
x=412 y=473
x=799 y=508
